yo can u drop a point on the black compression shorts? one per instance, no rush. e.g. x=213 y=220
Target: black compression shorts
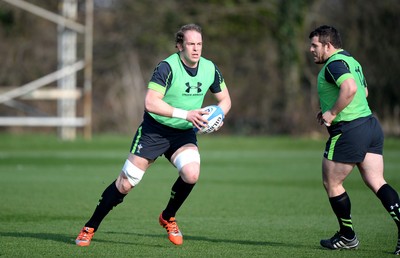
x=349 y=142
x=153 y=139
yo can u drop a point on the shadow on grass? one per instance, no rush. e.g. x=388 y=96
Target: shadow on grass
x=68 y=239
x=213 y=240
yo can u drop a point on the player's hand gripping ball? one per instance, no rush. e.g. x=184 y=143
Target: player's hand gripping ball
x=215 y=117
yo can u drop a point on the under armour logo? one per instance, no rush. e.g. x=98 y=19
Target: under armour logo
x=189 y=87
x=393 y=206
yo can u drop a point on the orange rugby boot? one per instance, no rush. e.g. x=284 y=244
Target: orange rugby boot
x=85 y=236
x=174 y=234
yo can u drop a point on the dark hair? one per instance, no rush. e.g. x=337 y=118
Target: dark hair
x=181 y=33
x=327 y=34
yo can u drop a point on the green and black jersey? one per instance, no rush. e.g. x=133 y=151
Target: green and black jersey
x=339 y=67
x=184 y=87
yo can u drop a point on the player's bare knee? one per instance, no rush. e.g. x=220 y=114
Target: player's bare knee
x=188 y=164
x=131 y=175
x=123 y=184
x=190 y=177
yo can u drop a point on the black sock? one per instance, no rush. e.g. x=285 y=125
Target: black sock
x=179 y=192
x=342 y=208
x=110 y=198
x=390 y=200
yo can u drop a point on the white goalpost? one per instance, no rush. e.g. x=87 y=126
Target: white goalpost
x=69 y=64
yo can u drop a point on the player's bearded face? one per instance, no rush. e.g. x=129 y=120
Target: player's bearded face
x=318 y=50
x=191 y=48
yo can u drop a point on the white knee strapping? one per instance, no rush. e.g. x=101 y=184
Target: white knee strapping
x=186 y=157
x=133 y=173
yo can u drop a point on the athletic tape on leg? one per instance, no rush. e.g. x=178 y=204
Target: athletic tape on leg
x=186 y=157
x=133 y=173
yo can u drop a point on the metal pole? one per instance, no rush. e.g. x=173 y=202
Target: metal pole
x=87 y=88
x=67 y=54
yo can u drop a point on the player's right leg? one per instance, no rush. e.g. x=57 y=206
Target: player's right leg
x=334 y=174
x=113 y=195
x=110 y=198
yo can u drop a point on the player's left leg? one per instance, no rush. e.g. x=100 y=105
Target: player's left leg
x=187 y=160
x=371 y=170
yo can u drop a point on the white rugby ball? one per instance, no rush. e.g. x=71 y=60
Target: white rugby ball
x=214 y=117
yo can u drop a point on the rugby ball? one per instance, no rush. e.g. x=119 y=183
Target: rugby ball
x=215 y=117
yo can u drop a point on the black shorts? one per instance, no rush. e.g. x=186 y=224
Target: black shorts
x=349 y=142
x=153 y=139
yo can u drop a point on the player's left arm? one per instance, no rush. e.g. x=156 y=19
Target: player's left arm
x=223 y=100
x=221 y=92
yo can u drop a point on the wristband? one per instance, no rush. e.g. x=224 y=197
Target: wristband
x=179 y=113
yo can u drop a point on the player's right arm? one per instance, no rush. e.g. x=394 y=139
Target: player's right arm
x=154 y=102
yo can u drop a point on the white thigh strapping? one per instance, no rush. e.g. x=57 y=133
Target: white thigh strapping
x=186 y=157
x=133 y=173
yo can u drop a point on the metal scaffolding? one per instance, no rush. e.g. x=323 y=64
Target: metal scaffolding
x=69 y=65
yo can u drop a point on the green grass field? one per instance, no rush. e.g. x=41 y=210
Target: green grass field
x=256 y=197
